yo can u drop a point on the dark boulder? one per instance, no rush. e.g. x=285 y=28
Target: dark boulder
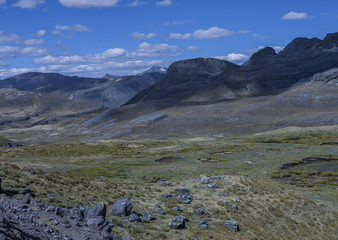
x=232 y=225
x=122 y=207
x=178 y=222
x=95 y=211
x=134 y=218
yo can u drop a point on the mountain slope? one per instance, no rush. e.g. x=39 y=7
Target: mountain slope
x=100 y=91
x=202 y=80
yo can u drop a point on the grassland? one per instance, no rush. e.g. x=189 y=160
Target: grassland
x=271 y=205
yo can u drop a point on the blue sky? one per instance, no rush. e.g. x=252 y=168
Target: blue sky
x=94 y=37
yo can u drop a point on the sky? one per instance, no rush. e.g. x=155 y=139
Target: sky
x=121 y=37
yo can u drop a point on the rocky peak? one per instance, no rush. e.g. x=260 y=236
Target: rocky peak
x=301 y=47
x=330 y=41
x=262 y=56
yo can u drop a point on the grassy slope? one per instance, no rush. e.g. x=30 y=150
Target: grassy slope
x=69 y=174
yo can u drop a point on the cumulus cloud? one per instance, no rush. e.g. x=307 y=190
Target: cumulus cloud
x=89 y=3
x=237 y=58
x=164 y=3
x=212 y=33
x=2 y=1
x=147 y=50
x=10 y=52
x=295 y=16
x=90 y=58
x=40 y=33
x=142 y=36
x=8 y=38
x=180 y=36
x=73 y=28
x=32 y=42
x=136 y=3
x=30 y=4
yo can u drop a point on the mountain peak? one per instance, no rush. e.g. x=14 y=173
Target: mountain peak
x=156 y=69
x=330 y=41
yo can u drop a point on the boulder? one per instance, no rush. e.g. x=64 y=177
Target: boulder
x=77 y=212
x=200 y=211
x=233 y=206
x=212 y=185
x=204 y=179
x=147 y=217
x=178 y=222
x=122 y=207
x=232 y=225
x=203 y=225
x=96 y=223
x=134 y=218
x=95 y=211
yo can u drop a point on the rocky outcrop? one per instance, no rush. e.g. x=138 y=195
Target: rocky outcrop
x=206 y=79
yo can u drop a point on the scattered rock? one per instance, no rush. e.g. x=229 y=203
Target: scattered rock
x=95 y=211
x=134 y=218
x=122 y=207
x=249 y=163
x=96 y=223
x=204 y=179
x=233 y=206
x=147 y=217
x=200 y=211
x=178 y=222
x=160 y=210
x=203 y=225
x=77 y=212
x=223 y=202
x=213 y=185
x=232 y=225
x=166 y=183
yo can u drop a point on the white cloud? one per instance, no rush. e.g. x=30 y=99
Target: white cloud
x=295 y=16
x=237 y=58
x=9 y=51
x=73 y=28
x=142 y=36
x=28 y=3
x=164 y=3
x=136 y=3
x=256 y=35
x=90 y=58
x=2 y=1
x=89 y=3
x=180 y=36
x=176 y=22
x=40 y=33
x=32 y=42
x=212 y=33
x=8 y=38
x=147 y=50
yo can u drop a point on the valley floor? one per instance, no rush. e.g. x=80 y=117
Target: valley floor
x=275 y=185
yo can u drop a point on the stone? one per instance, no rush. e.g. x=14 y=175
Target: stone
x=204 y=179
x=50 y=209
x=95 y=211
x=249 y=163
x=134 y=218
x=166 y=183
x=232 y=225
x=203 y=225
x=213 y=185
x=223 y=202
x=176 y=209
x=147 y=217
x=183 y=191
x=160 y=210
x=122 y=207
x=95 y=223
x=178 y=222
x=233 y=206
x=200 y=211
x=77 y=212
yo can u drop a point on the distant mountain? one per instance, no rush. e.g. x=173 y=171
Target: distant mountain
x=107 y=75
x=156 y=69
x=108 y=92
x=204 y=80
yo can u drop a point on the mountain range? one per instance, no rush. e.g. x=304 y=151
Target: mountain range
x=202 y=96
